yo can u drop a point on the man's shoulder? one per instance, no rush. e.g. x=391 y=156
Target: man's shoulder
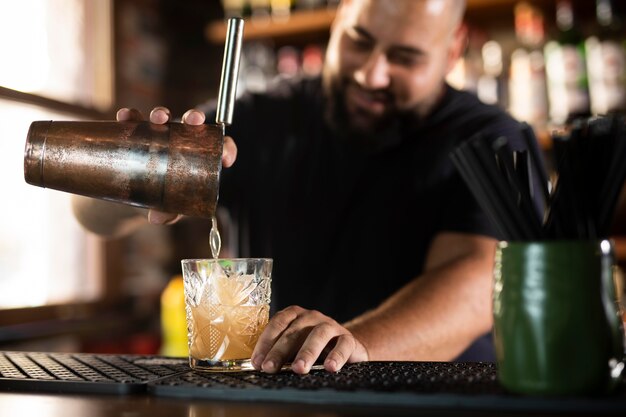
x=462 y=115
x=465 y=110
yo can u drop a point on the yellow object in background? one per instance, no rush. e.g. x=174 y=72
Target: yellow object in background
x=173 y=320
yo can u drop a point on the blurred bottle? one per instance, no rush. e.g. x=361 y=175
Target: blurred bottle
x=312 y=60
x=258 y=66
x=527 y=90
x=281 y=9
x=566 y=69
x=236 y=8
x=288 y=62
x=309 y=4
x=469 y=67
x=173 y=320
x=260 y=10
x=606 y=59
x=490 y=87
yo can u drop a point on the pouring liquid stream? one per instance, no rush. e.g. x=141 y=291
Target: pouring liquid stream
x=215 y=241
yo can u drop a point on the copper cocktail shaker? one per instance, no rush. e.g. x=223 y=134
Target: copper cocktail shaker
x=172 y=167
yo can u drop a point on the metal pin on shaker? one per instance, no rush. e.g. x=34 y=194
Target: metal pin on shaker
x=172 y=167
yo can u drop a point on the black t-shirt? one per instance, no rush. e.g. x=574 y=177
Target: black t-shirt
x=347 y=226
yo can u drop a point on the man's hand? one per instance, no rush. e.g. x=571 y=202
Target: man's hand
x=302 y=336
x=161 y=115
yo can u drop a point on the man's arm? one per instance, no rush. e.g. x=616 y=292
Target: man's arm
x=105 y=218
x=434 y=317
x=437 y=316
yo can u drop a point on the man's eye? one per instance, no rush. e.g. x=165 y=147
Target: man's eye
x=404 y=60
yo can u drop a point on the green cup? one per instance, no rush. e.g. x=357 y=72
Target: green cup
x=557 y=322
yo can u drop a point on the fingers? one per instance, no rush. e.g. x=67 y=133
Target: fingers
x=229 y=152
x=126 y=114
x=276 y=326
x=303 y=336
x=160 y=115
x=341 y=353
x=161 y=218
x=319 y=337
x=193 y=117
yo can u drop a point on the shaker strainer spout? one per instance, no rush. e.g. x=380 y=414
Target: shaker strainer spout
x=230 y=70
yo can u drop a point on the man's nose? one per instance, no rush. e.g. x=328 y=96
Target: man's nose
x=374 y=73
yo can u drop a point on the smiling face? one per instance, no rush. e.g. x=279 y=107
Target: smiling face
x=386 y=58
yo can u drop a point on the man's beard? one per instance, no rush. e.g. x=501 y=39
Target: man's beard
x=339 y=120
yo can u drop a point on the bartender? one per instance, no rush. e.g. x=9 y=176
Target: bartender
x=380 y=250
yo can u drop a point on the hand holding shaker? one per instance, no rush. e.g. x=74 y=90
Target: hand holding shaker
x=172 y=167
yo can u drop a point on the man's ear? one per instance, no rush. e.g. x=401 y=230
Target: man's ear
x=458 y=45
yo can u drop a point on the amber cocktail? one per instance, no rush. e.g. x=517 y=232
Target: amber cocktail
x=227 y=308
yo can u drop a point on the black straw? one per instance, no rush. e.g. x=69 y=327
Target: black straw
x=590 y=170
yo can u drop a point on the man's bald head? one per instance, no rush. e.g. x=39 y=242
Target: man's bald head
x=453 y=8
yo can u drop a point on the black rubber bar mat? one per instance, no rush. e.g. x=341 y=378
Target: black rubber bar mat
x=84 y=373
x=420 y=385
x=424 y=385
